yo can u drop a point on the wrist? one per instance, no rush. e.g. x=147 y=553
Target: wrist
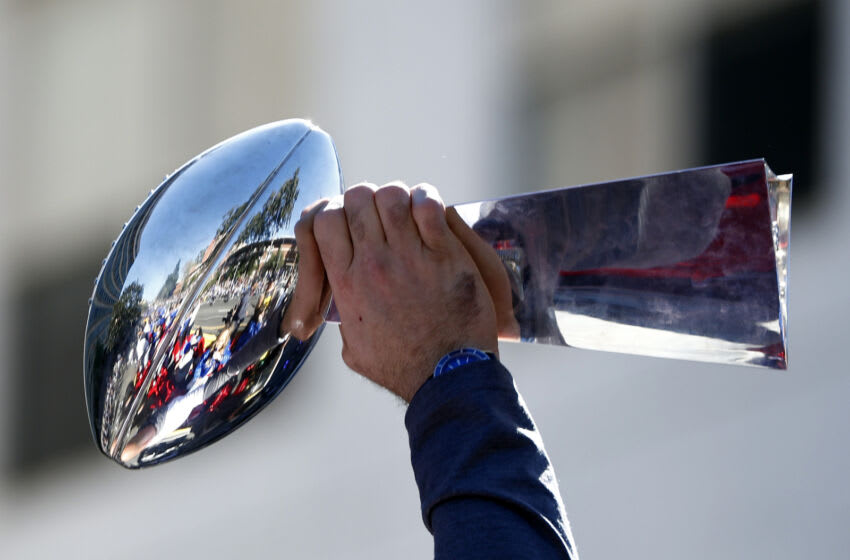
x=445 y=366
x=407 y=376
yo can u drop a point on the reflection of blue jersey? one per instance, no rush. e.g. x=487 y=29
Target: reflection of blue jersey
x=204 y=366
x=207 y=365
x=187 y=324
x=252 y=329
x=225 y=355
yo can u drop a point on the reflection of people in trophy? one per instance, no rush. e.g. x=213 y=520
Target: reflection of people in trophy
x=142 y=343
x=241 y=308
x=251 y=329
x=218 y=365
x=223 y=368
x=175 y=370
x=212 y=358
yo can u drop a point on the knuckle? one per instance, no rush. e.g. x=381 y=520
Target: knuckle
x=394 y=204
x=358 y=195
x=430 y=207
x=302 y=228
x=308 y=213
x=325 y=219
x=426 y=191
x=392 y=194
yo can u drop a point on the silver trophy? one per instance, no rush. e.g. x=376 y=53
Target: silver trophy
x=183 y=340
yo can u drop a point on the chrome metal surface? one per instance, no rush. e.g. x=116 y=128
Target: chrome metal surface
x=182 y=342
x=690 y=264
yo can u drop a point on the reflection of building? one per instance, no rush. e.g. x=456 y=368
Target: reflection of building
x=110 y=283
x=253 y=256
x=197 y=266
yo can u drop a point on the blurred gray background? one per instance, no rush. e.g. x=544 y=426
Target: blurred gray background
x=656 y=458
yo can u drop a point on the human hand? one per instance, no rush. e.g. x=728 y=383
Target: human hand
x=411 y=282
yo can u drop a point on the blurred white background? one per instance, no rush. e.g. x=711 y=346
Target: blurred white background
x=656 y=459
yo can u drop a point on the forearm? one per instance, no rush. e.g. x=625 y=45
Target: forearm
x=487 y=487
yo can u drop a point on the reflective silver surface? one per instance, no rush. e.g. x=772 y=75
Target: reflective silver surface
x=690 y=264
x=182 y=341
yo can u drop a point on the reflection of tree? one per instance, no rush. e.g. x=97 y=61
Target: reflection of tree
x=126 y=312
x=244 y=263
x=275 y=214
x=170 y=283
x=265 y=259
x=251 y=245
x=275 y=262
x=229 y=219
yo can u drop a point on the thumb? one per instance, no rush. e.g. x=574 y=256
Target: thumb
x=492 y=271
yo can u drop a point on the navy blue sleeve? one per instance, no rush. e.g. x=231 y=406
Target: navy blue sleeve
x=486 y=486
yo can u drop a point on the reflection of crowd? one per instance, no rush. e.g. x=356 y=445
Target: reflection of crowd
x=231 y=288
x=193 y=374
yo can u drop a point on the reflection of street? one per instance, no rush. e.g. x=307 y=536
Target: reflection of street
x=211 y=313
